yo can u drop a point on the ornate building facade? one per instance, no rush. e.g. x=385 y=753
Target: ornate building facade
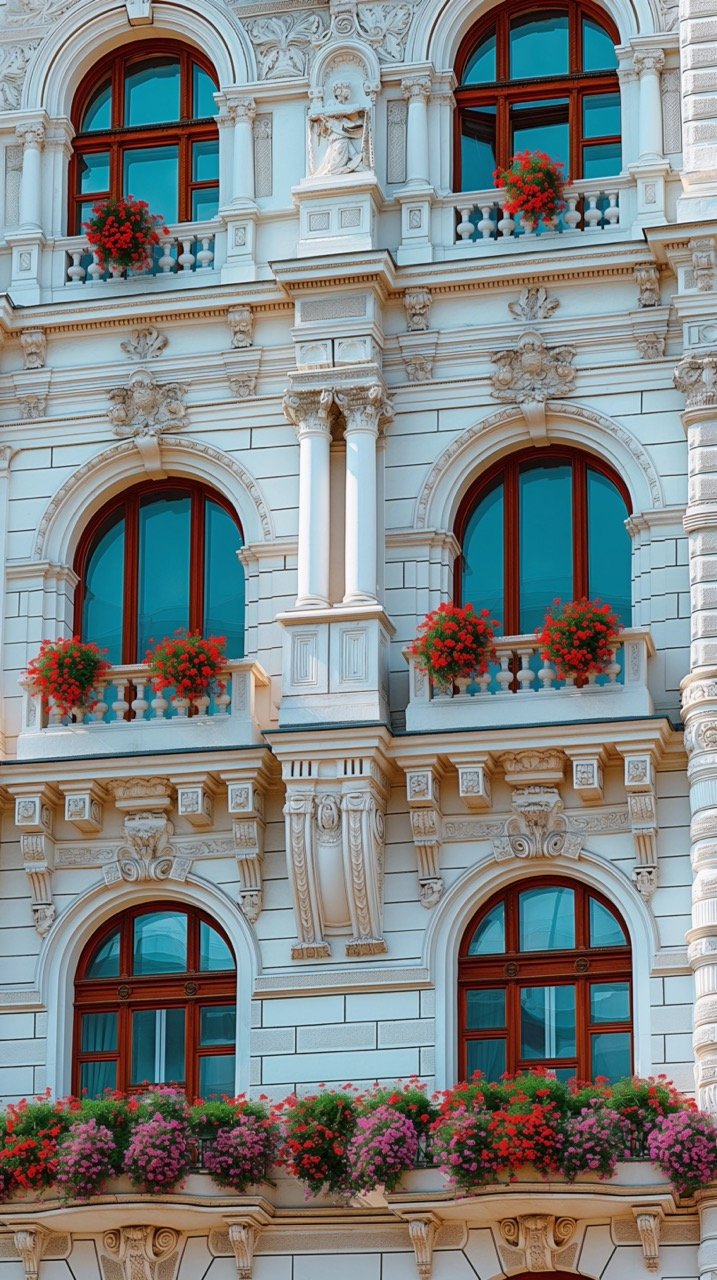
x=353 y=386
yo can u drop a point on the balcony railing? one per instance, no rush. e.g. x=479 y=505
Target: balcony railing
x=189 y=249
x=591 y=207
x=521 y=688
x=128 y=716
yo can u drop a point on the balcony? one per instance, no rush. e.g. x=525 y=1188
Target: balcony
x=522 y=689
x=128 y=717
x=186 y=257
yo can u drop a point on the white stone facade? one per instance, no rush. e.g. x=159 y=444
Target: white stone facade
x=316 y=296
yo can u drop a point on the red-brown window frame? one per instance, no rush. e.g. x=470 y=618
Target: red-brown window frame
x=576 y=85
x=130 y=503
x=182 y=133
x=512 y=969
x=508 y=470
x=126 y=994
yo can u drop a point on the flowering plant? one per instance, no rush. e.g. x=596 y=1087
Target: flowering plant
x=65 y=671
x=241 y=1156
x=84 y=1160
x=123 y=232
x=384 y=1145
x=157 y=1157
x=578 y=637
x=317 y=1132
x=454 y=643
x=684 y=1145
x=409 y=1099
x=464 y=1148
x=28 y=1159
x=187 y=663
x=594 y=1141
x=645 y=1103
x=533 y=185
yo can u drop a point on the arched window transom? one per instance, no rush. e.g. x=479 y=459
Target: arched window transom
x=538 y=79
x=545 y=980
x=155 y=1003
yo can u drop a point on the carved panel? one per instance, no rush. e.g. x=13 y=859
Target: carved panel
x=263 y=153
x=396 y=119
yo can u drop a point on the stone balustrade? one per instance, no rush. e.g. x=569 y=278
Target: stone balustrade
x=128 y=715
x=189 y=248
x=590 y=207
x=522 y=688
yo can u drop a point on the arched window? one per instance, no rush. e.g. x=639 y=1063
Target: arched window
x=144 y=127
x=160 y=557
x=541 y=524
x=538 y=78
x=544 y=980
x=155 y=1002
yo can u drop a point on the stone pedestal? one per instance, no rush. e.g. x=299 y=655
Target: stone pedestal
x=337 y=214
x=335 y=665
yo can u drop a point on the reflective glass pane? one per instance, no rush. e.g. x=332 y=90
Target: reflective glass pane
x=598 y=48
x=482 y=571
x=223 y=579
x=609 y=545
x=547 y=1022
x=158 y=1046
x=601 y=115
x=542 y=126
x=217 y=1025
x=481 y=66
x=486 y=1056
x=203 y=90
x=610 y=1002
x=105 y=962
x=164 y=542
x=489 y=937
x=152 y=174
x=99 y=1032
x=539 y=46
x=214 y=953
x=478 y=126
x=103 y=598
x=603 y=160
x=205 y=161
x=205 y=204
x=605 y=930
x=485 y=1009
x=217 y=1076
x=611 y=1054
x=98 y=112
x=96 y=1077
x=94 y=172
x=547 y=919
x=160 y=943
x=546 y=541
x=151 y=92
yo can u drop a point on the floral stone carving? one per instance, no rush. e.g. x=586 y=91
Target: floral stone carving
x=146 y=407
x=537 y=828
x=532 y=372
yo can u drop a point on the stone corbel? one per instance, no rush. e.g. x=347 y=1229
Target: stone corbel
x=245 y=803
x=474 y=780
x=588 y=781
x=642 y=813
x=139 y=1250
x=535 y=1242
x=243 y=1232
x=32 y=387
x=419 y=352
x=29 y=1243
x=84 y=805
x=242 y=368
x=649 y=1220
x=34 y=818
x=147 y=853
x=299 y=811
x=362 y=811
x=424 y=808
x=195 y=799
x=422 y=1230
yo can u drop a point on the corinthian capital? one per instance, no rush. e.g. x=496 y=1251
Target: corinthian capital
x=31 y=133
x=649 y=60
x=241 y=109
x=696 y=377
x=309 y=412
x=364 y=408
x=416 y=87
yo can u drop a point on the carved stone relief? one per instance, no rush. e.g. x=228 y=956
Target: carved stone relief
x=417 y=303
x=145 y=344
x=704 y=263
x=537 y=828
x=696 y=377
x=535 y=1242
x=146 y=407
x=530 y=372
x=424 y=804
x=142 y=1252
x=647 y=278
x=534 y=303
x=340 y=139
x=285 y=43
x=34 y=348
x=241 y=323
x=14 y=62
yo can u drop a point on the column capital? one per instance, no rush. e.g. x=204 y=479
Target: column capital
x=696 y=377
x=309 y=412
x=31 y=133
x=365 y=408
x=416 y=87
x=241 y=109
x=649 y=60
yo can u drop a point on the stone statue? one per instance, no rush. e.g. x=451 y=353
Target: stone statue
x=345 y=131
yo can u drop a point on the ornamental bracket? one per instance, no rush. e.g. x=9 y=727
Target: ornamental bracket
x=423 y=792
x=649 y=1220
x=642 y=812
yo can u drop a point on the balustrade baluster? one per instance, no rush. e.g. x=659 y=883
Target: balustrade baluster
x=612 y=670
x=186 y=258
x=486 y=226
x=465 y=227
x=159 y=706
x=504 y=677
x=205 y=256
x=120 y=706
x=94 y=270
x=546 y=675
x=166 y=262
x=54 y=715
x=484 y=681
x=571 y=217
x=525 y=675
x=593 y=216
x=222 y=700
x=140 y=703
x=181 y=707
x=612 y=213
x=506 y=225
x=98 y=710
x=202 y=704
x=76 y=272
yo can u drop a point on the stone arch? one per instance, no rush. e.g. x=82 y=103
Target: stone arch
x=60 y=956
x=77 y=40
x=94 y=483
x=486 y=877
x=502 y=432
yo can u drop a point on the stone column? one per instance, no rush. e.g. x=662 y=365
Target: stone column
x=696 y=376
x=417 y=91
x=32 y=137
x=364 y=410
x=649 y=64
x=242 y=112
x=309 y=412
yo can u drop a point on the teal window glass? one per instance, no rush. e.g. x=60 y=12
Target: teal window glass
x=97 y=1077
x=205 y=161
x=605 y=930
x=609 y=547
x=481 y=65
x=546 y=541
x=478 y=148
x=539 y=45
x=158 y=1046
x=611 y=1054
x=205 y=204
x=542 y=126
x=217 y=1025
x=151 y=92
x=105 y=960
x=217 y=1075
x=99 y=1033
x=547 y=919
x=485 y=1009
x=203 y=90
x=547 y=1022
x=602 y=160
x=609 y=1002
x=160 y=943
x=224 y=583
x=98 y=112
x=483 y=560
x=214 y=954
x=152 y=174
x=601 y=115
x=164 y=559
x=489 y=937
x=103 y=595
x=598 y=49
x=486 y=1056
x=94 y=172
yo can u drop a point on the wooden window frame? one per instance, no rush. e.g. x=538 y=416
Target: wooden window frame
x=127 y=994
x=574 y=86
x=508 y=471
x=130 y=502
x=120 y=138
x=512 y=969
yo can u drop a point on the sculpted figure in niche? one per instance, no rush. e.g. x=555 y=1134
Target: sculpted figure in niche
x=345 y=131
